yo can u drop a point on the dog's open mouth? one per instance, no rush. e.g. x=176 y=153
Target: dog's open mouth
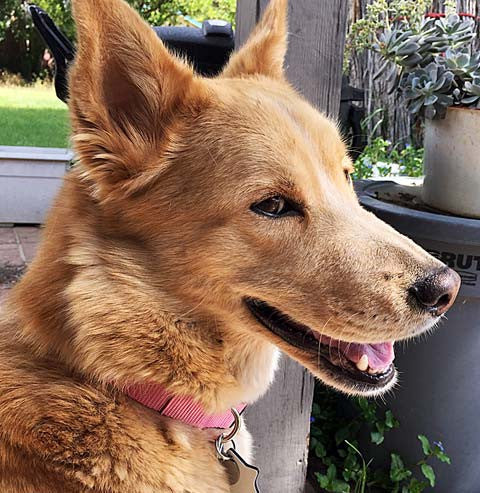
x=359 y=363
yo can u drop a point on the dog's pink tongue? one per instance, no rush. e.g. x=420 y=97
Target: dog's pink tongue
x=379 y=355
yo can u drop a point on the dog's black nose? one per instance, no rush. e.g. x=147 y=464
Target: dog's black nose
x=437 y=292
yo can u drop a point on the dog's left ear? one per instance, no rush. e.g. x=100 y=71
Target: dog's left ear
x=126 y=90
x=265 y=50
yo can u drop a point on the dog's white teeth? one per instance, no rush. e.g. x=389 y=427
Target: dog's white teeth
x=362 y=364
x=377 y=371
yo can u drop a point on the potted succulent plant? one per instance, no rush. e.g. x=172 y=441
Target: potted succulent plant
x=431 y=62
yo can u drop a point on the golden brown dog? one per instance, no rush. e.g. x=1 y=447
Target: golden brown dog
x=206 y=223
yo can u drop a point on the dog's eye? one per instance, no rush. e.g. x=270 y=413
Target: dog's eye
x=276 y=206
x=348 y=176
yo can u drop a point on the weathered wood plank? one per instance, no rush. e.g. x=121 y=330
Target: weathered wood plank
x=280 y=425
x=314 y=62
x=280 y=422
x=315 y=55
x=247 y=16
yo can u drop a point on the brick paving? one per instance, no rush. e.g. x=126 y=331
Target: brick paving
x=18 y=245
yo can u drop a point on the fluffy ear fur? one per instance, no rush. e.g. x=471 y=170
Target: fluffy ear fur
x=264 y=52
x=124 y=88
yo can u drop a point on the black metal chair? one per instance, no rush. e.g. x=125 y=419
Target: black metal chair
x=208 y=49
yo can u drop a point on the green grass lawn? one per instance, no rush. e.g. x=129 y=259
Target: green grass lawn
x=32 y=116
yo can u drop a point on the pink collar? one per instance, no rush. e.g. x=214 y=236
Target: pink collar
x=183 y=409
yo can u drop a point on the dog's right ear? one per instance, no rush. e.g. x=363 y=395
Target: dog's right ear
x=125 y=88
x=264 y=51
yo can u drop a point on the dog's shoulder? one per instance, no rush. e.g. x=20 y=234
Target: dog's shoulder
x=60 y=433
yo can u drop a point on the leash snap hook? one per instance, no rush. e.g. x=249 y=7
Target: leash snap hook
x=225 y=438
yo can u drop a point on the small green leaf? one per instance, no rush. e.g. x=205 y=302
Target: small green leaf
x=339 y=486
x=443 y=457
x=430 y=99
x=380 y=426
x=322 y=480
x=415 y=486
x=320 y=450
x=331 y=472
x=426 y=447
x=377 y=437
x=363 y=403
x=397 y=469
x=427 y=471
x=342 y=434
x=390 y=420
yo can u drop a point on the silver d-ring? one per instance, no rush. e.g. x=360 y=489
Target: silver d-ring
x=235 y=427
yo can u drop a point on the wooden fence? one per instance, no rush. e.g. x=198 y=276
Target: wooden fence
x=280 y=421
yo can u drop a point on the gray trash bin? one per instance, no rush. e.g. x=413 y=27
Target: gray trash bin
x=439 y=391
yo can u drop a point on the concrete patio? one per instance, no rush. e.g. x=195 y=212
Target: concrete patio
x=18 y=245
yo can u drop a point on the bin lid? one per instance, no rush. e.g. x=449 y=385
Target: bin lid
x=401 y=206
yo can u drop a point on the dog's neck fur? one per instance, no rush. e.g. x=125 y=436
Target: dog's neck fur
x=218 y=368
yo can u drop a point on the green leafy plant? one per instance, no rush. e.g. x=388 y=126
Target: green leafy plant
x=380 y=158
x=431 y=62
x=340 y=463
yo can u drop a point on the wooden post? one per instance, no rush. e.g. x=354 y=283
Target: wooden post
x=280 y=422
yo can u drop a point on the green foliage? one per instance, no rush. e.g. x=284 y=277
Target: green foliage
x=431 y=62
x=378 y=19
x=334 y=442
x=61 y=13
x=380 y=158
x=361 y=483
x=171 y=12
x=10 y=12
x=330 y=482
x=18 y=35
x=156 y=12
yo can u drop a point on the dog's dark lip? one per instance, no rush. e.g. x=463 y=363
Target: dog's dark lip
x=301 y=337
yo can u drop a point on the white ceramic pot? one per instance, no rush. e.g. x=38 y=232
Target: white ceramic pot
x=452 y=163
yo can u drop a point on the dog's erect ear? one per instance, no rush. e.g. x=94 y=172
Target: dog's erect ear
x=124 y=89
x=264 y=52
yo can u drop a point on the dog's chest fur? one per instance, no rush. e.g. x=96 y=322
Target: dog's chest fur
x=58 y=430
x=62 y=435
